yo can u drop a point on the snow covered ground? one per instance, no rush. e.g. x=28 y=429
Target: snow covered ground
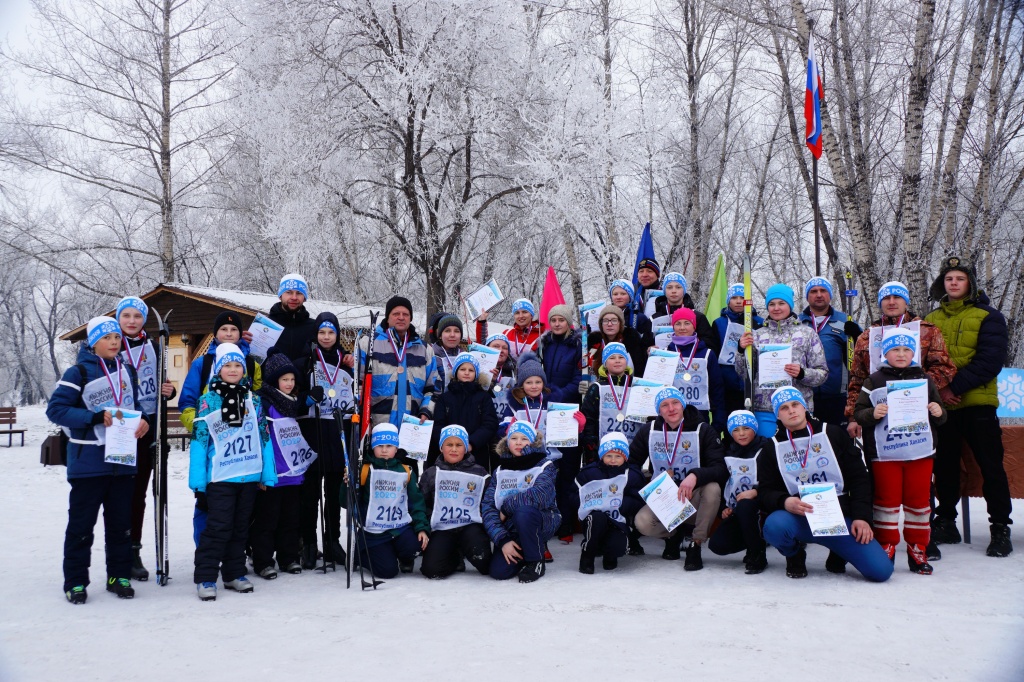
x=965 y=622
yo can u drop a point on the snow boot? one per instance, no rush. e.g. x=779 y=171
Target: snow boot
x=586 y=564
x=122 y=587
x=944 y=531
x=933 y=551
x=609 y=562
x=835 y=563
x=917 y=559
x=634 y=547
x=532 y=571
x=309 y=556
x=240 y=584
x=757 y=563
x=672 y=544
x=461 y=566
x=406 y=565
x=890 y=551
x=796 y=565
x=294 y=568
x=77 y=595
x=207 y=591
x=337 y=553
x=268 y=573
x=139 y=571
x=564 y=533
x=693 y=562
x=1000 y=545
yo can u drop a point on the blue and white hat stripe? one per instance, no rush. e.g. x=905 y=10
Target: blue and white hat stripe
x=456 y=431
x=384 y=434
x=524 y=428
x=736 y=289
x=894 y=289
x=677 y=278
x=133 y=302
x=524 y=304
x=327 y=324
x=463 y=358
x=496 y=337
x=614 y=348
x=817 y=282
x=99 y=327
x=623 y=284
x=667 y=394
x=226 y=352
x=293 y=282
x=613 y=441
x=895 y=338
x=741 y=418
x=784 y=395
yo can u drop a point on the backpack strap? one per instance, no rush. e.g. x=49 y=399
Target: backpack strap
x=204 y=372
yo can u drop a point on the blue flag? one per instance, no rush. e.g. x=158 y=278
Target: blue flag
x=643 y=252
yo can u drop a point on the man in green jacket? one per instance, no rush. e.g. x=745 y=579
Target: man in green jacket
x=977 y=338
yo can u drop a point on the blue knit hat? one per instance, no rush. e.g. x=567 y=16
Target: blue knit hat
x=456 y=431
x=741 y=418
x=327 y=324
x=523 y=427
x=784 y=395
x=895 y=337
x=463 y=358
x=894 y=289
x=817 y=282
x=668 y=393
x=623 y=284
x=736 y=289
x=779 y=291
x=384 y=434
x=496 y=337
x=613 y=441
x=133 y=302
x=676 y=277
x=227 y=352
x=99 y=327
x=293 y=282
x=614 y=348
x=524 y=304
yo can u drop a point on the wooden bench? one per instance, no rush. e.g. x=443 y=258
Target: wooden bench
x=8 y=418
x=175 y=429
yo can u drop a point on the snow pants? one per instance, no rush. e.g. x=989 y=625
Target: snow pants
x=441 y=557
x=602 y=536
x=275 y=527
x=527 y=523
x=222 y=542
x=143 y=471
x=114 y=494
x=740 y=532
x=707 y=499
x=384 y=551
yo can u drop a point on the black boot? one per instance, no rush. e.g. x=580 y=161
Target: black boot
x=796 y=565
x=1000 y=545
x=337 y=553
x=122 y=587
x=835 y=563
x=406 y=565
x=586 y=564
x=634 y=546
x=918 y=560
x=933 y=551
x=693 y=562
x=309 y=556
x=139 y=571
x=944 y=531
x=531 y=572
x=672 y=544
x=757 y=563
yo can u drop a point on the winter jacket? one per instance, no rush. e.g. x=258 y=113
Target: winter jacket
x=590 y=438
x=635 y=346
x=201 y=451
x=66 y=408
x=195 y=382
x=631 y=500
x=716 y=387
x=395 y=393
x=299 y=331
x=468 y=465
x=855 y=500
x=519 y=341
x=270 y=413
x=833 y=340
x=327 y=443
x=712 y=467
x=977 y=339
x=443 y=359
x=468 y=404
x=417 y=507
x=864 y=410
x=934 y=358
x=807 y=352
x=540 y=495
x=730 y=378
x=704 y=330
x=561 y=357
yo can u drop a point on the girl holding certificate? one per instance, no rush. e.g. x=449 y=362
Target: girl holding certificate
x=697 y=374
x=787 y=354
x=902 y=457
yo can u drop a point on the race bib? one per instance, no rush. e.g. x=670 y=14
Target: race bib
x=295 y=451
x=237 y=449
x=388 y=508
x=612 y=419
x=603 y=496
x=899 y=447
x=457 y=497
x=742 y=477
x=509 y=483
x=145 y=367
x=676 y=456
x=693 y=382
x=731 y=344
x=337 y=395
x=821 y=465
x=98 y=396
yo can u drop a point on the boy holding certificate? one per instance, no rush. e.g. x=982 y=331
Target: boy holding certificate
x=88 y=399
x=902 y=466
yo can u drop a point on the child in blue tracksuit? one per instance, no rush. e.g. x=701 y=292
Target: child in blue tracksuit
x=609 y=499
x=518 y=508
x=230 y=456
x=697 y=374
x=88 y=398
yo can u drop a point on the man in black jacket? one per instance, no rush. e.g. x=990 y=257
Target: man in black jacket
x=807 y=451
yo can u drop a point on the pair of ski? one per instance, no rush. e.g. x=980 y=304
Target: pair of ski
x=161 y=447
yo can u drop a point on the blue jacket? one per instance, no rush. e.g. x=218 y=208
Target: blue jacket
x=540 y=495
x=65 y=408
x=561 y=357
x=632 y=502
x=716 y=387
x=201 y=450
x=730 y=378
x=396 y=394
x=833 y=339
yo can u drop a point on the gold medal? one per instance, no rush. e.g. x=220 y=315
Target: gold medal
x=331 y=393
x=686 y=377
x=620 y=418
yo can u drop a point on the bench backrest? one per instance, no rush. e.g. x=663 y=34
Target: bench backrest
x=8 y=416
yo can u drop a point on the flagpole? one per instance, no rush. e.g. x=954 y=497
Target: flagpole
x=817 y=218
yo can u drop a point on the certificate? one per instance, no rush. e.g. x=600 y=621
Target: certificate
x=563 y=430
x=265 y=333
x=651 y=302
x=663 y=321
x=908 y=405
x=662 y=496
x=590 y=313
x=486 y=357
x=121 y=444
x=414 y=437
x=483 y=299
x=772 y=361
x=827 y=518
x=662 y=337
x=661 y=366
x=640 y=405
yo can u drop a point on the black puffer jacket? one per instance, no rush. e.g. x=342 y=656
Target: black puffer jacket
x=299 y=331
x=469 y=405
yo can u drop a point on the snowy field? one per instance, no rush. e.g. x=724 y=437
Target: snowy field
x=649 y=617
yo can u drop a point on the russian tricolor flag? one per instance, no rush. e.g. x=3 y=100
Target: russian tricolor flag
x=812 y=101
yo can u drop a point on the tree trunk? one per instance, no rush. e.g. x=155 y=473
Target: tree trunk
x=167 y=200
x=608 y=189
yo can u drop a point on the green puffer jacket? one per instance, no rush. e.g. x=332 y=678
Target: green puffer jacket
x=976 y=338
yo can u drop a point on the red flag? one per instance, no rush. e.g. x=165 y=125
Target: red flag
x=551 y=297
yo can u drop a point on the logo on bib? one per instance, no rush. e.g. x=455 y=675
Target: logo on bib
x=529 y=478
x=816 y=447
x=686 y=445
x=471 y=486
x=822 y=462
x=147 y=371
x=745 y=480
x=247 y=426
x=744 y=468
x=613 y=488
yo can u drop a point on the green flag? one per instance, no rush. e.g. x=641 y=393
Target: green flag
x=718 y=295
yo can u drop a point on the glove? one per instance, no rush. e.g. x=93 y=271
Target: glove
x=584 y=387
x=580 y=419
x=201 y=502
x=317 y=394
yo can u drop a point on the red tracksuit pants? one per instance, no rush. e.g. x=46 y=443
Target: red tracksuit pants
x=906 y=484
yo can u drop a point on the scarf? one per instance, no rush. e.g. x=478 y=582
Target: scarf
x=232 y=404
x=286 y=405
